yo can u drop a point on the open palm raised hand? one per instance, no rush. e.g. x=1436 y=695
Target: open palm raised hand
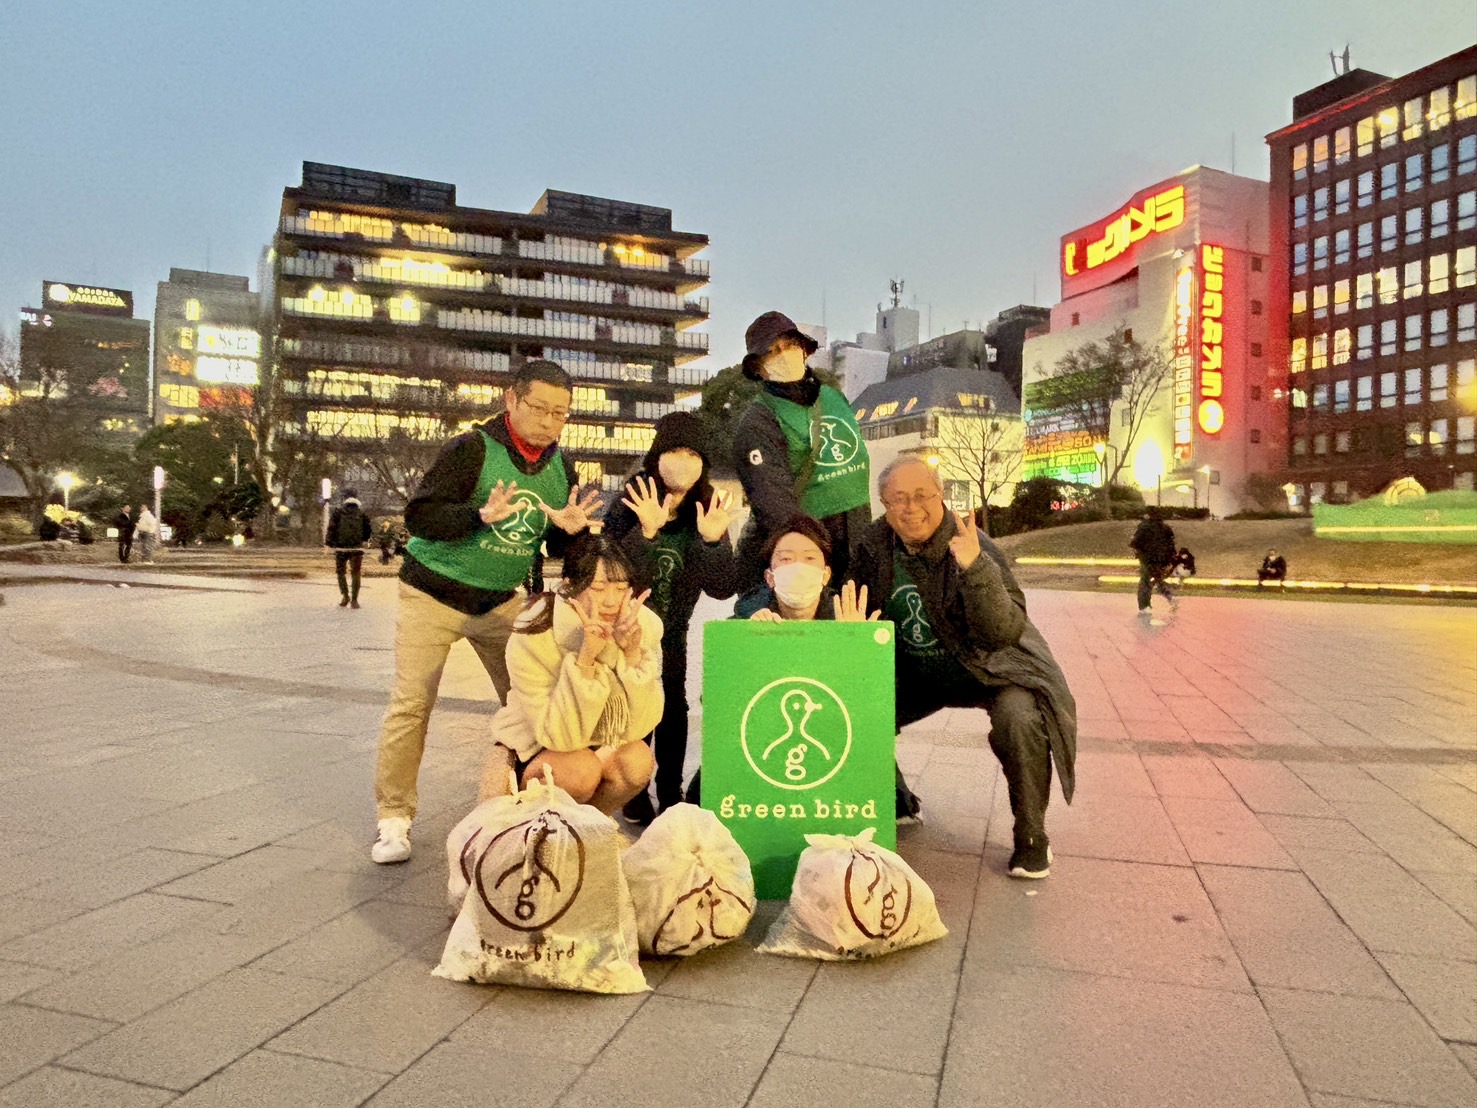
x=651 y=510
x=714 y=521
x=499 y=504
x=575 y=516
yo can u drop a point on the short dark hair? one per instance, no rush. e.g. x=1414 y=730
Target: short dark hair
x=540 y=369
x=584 y=557
x=812 y=529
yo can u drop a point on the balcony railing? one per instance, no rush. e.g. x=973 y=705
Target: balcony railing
x=648 y=409
x=687 y=375
x=692 y=340
x=695 y=267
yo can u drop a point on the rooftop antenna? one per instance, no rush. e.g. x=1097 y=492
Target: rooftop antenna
x=896 y=288
x=1335 y=60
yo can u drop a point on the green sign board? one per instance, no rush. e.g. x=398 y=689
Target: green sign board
x=798 y=737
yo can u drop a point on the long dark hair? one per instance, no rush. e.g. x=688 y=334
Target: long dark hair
x=584 y=557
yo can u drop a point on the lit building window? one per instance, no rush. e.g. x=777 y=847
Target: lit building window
x=1439 y=113
x=1320 y=153
x=1414 y=283
x=1297 y=359
x=1364 y=135
x=1320 y=301
x=1341 y=296
x=1389 y=285
x=1319 y=359
x=192 y=309
x=1415 y=119
x=1341 y=346
x=1389 y=127
x=1466 y=97
x=1364 y=290
x=1466 y=267
x=1439 y=274
x=1466 y=434
x=1300 y=161
x=1299 y=301
x=405 y=309
x=1341 y=146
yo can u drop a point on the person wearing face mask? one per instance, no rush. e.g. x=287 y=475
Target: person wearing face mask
x=964 y=641
x=797 y=449
x=674 y=526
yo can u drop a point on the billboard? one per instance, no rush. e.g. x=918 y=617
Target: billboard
x=1107 y=249
x=86 y=298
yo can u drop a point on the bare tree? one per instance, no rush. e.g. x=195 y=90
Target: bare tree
x=979 y=445
x=1088 y=384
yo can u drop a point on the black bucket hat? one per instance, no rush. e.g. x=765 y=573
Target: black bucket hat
x=676 y=430
x=761 y=335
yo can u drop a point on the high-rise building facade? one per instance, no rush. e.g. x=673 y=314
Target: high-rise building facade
x=83 y=343
x=1181 y=266
x=1374 y=267
x=396 y=315
x=207 y=348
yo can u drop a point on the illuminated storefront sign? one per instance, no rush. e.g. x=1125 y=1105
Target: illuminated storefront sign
x=1211 y=415
x=1184 y=361
x=226 y=371
x=87 y=298
x=237 y=342
x=1090 y=253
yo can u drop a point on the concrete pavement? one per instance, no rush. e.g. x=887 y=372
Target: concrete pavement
x=1265 y=893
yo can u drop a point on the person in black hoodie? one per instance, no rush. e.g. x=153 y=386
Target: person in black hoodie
x=348 y=531
x=797 y=449
x=674 y=526
x=477 y=523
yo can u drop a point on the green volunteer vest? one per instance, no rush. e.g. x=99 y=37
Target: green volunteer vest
x=841 y=476
x=497 y=558
x=919 y=648
x=669 y=557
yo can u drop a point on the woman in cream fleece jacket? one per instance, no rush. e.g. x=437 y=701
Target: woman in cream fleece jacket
x=586 y=673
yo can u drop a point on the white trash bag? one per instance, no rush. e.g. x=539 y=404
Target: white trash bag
x=691 y=882
x=546 y=903
x=852 y=899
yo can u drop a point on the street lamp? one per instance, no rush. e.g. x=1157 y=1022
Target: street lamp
x=66 y=481
x=1289 y=490
x=1206 y=470
x=327 y=496
x=159 y=496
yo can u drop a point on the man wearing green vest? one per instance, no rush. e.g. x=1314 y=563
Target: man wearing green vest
x=797 y=449
x=478 y=522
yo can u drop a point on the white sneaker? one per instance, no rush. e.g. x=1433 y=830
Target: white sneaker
x=393 y=844
x=1174 y=604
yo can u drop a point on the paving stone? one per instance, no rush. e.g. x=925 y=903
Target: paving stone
x=735 y=974
x=265 y=1078
x=797 y=1080
x=681 y=1053
x=95 y=935
x=1032 y=1036
x=184 y=1042
x=354 y=1029
x=1458 y=890
x=52 y=1087
x=22 y=914
x=1412 y=838
x=838 y=1016
x=1356 y=1046
x=544 y=1024
x=451 y=1074
x=1114 y=773
x=1224 y=832
x=1299 y=833
x=1129 y=829
x=1188 y=777
x=357 y=944
x=1467 y=1053
x=1327 y=1100
x=1343 y=783
x=1286 y=935
x=32 y=1037
x=1385 y=906
x=93 y=886
x=18 y=979
x=1272 y=787
x=1444 y=990
x=236 y=878
x=1127 y=919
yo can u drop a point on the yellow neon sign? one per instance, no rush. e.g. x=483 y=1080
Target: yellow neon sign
x=1161 y=212
x=1212 y=414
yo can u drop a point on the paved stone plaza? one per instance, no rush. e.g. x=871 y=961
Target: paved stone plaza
x=1265 y=893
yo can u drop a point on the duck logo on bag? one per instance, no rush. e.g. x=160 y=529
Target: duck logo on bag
x=532 y=873
x=796 y=733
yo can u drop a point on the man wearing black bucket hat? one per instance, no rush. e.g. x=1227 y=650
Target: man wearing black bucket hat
x=797 y=448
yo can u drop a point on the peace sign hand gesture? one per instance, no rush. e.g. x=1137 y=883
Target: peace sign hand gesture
x=575 y=516
x=597 y=633
x=850 y=604
x=499 y=503
x=627 y=630
x=713 y=522
x=651 y=511
x=965 y=545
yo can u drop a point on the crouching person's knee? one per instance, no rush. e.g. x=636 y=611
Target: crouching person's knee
x=577 y=772
x=631 y=768
x=1015 y=721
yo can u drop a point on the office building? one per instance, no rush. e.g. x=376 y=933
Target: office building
x=207 y=346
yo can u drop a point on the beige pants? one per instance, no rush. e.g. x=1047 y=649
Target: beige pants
x=424 y=634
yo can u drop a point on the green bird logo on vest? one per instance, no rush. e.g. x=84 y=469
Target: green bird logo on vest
x=668 y=566
x=521 y=529
x=839 y=443
x=914 y=628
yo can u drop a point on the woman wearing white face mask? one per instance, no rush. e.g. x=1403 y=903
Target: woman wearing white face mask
x=797 y=449
x=674 y=526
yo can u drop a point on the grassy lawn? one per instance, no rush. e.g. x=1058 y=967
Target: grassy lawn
x=1235 y=548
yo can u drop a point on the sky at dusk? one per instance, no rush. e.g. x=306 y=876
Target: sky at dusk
x=823 y=147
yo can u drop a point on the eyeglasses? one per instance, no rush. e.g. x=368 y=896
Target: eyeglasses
x=559 y=415
x=902 y=502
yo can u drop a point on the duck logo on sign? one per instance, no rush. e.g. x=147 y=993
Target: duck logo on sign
x=839 y=443
x=796 y=733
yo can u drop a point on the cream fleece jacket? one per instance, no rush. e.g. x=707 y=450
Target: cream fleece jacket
x=552 y=705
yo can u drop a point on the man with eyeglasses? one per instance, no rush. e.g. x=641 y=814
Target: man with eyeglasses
x=964 y=641
x=478 y=523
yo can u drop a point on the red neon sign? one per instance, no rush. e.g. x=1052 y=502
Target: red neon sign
x=1089 y=255
x=1184 y=360
x=1211 y=414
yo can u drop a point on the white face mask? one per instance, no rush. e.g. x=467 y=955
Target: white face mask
x=679 y=471
x=787 y=365
x=798 y=584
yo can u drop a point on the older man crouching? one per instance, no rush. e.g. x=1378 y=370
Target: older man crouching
x=965 y=641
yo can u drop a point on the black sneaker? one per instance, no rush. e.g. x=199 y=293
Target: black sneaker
x=638 y=809
x=908 y=804
x=344 y=603
x=1031 y=858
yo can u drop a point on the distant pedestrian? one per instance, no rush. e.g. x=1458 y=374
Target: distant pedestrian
x=125 y=524
x=348 y=531
x=387 y=542
x=147 y=532
x=1184 y=564
x=1153 y=543
x=1274 y=568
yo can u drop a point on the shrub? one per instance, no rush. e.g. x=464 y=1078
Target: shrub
x=1267 y=515
x=15 y=528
